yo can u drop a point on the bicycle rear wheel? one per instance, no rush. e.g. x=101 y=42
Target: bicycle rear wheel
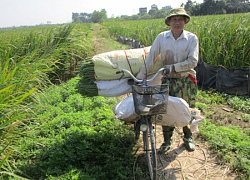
x=150 y=148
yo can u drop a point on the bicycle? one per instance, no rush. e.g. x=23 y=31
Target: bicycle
x=149 y=100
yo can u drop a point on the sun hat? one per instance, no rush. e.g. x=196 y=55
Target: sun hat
x=176 y=12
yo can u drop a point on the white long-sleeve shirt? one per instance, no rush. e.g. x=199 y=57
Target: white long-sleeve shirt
x=182 y=52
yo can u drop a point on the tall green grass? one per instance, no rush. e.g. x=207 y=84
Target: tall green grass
x=62 y=47
x=30 y=59
x=19 y=80
x=224 y=39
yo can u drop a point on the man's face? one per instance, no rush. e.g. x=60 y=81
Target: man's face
x=177 y=23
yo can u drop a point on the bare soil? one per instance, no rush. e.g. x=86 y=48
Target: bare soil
x=224 y=115
x=178 y=163
x=202 y=164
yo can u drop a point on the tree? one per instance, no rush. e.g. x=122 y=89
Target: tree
x=85 y=17
x=75 y=17
x=188 y=5
x=192 y=7
x=99 y=16
x=125 y=17
x=82 y=17
x=213 y=7
x=161 y=14
x=152 y=12
x=145 y=16
x=135 y=17
x=195 y=10
x=220 y=7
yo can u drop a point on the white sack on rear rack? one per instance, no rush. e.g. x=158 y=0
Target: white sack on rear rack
x=178 y=113
x=125 y=110
x=113 y=88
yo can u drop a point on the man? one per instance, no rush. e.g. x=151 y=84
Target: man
x=179 y=50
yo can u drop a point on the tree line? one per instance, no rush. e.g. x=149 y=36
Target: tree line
x=208 y=7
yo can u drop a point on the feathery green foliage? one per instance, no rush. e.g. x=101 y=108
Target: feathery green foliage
x=28 y=57
x=224 y=39
x=72 y=132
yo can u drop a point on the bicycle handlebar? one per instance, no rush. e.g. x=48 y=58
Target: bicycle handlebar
x=139 y=80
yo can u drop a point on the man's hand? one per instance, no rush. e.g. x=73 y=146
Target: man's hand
x=169 y=69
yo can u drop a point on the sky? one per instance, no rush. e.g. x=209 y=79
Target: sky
x=36 y=12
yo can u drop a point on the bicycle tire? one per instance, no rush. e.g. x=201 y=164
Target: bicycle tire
x=150 y=148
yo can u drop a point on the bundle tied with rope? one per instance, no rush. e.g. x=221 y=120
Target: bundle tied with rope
x=98 y=74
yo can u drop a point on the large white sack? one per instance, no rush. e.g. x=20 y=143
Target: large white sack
x=125 y=110
x=107 y=64
x=113 y=88
x=178 y=113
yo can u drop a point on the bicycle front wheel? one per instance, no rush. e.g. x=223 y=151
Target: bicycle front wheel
x=150 y=148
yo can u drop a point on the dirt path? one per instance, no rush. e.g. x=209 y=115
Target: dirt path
x=202 y=164
x=178 y=163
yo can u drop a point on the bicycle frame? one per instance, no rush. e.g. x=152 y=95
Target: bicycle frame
x=143 y=96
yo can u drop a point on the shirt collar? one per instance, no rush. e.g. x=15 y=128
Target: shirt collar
x=183 y=34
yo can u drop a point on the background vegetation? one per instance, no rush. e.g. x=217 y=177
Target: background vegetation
x=208 y=7
x=48 y=130
x=224 y=39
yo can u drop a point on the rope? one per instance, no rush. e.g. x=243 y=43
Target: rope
x=145 y=53
x=128 y=63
